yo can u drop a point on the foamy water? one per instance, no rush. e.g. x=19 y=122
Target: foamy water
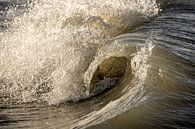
x=115 y=64
x=46 y=51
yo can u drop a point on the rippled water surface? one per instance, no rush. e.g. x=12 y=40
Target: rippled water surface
x=115 y=64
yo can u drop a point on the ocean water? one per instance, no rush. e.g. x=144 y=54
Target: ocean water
x=115 y=64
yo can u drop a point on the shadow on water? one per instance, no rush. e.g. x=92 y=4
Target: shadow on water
x=170 y=108
x=5 y=120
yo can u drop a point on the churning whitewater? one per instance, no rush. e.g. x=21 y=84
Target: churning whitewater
x=46 y=51
x=109 y=64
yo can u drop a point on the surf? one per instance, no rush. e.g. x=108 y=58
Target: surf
x=120 y=64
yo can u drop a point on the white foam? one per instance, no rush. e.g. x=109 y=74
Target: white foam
x=56 y=40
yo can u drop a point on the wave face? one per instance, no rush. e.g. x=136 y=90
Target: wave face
x=46 y=51
x=97 y=64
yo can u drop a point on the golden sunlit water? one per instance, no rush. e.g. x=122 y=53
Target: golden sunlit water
x=115 y=64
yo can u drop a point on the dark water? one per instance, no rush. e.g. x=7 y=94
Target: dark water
x=156 y=90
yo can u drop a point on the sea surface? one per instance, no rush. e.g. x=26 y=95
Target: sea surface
x=97 y=64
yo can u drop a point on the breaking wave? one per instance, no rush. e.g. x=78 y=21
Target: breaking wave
x=87 y=64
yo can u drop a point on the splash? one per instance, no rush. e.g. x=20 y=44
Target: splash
x=46 y=51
